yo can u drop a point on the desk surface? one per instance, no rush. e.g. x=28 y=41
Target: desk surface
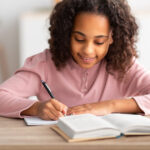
x=15 y=135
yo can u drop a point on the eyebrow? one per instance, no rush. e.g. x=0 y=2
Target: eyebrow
x=97 y=36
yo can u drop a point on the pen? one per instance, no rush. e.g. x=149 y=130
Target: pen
x=47 y=89
x=49 y=92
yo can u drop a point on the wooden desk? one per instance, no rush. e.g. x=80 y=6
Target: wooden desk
x=15 y=135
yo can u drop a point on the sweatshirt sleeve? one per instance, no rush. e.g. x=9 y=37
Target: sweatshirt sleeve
x=137 y=86
x=26 y=82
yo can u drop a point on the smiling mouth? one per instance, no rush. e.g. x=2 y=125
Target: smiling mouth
x=87 y=59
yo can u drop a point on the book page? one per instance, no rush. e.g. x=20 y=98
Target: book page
x=85 y=122
x=87 y=126
x=126 y=122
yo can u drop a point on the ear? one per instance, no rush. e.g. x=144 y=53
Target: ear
x=111 y=38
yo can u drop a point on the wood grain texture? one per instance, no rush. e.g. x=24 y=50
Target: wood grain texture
x=15 y=135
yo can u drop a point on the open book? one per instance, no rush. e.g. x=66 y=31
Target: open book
x=90 y=127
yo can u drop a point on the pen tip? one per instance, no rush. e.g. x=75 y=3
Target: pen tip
x=42 y=81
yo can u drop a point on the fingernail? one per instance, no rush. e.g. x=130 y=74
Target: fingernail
x=64 y=112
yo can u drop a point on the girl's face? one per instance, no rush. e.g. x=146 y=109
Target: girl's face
x=90 y=39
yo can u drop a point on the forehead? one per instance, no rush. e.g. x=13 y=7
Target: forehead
x=90 y=23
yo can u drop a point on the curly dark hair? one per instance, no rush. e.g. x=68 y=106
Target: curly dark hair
x=123 y=24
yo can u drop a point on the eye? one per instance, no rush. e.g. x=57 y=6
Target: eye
x=99 y=43
x=79 y=40
x=101 y=40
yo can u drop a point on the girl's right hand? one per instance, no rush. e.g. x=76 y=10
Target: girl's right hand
x=52 y=109
x=48 y=110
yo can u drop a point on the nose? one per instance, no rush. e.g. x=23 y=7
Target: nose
x=88 y=49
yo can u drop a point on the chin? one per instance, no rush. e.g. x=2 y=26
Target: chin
x=86 y=66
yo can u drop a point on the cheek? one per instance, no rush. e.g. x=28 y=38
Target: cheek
x=101 y=53
x=74 y=47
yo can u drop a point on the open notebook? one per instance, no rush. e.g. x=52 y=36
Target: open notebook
x=34 y=121
x=90 y=127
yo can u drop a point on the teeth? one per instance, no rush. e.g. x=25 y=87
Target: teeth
x=88 y=58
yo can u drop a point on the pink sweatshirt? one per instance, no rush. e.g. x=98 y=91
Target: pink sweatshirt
x=72 y=85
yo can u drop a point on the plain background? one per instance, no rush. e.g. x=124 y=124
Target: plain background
x=11 y=10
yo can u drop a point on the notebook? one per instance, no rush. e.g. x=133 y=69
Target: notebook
x=90 y=127
x=37 y=121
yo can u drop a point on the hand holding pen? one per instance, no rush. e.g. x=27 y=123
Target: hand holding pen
x=51 y=109
x=46 y=110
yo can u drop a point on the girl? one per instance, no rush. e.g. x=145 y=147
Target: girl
x=90 y=66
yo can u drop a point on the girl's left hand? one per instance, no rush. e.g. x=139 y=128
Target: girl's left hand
x=100 y=108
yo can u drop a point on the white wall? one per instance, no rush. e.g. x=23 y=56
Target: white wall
x=10 y=11
x=139 y=4
x=141 y=10
x=33 y=33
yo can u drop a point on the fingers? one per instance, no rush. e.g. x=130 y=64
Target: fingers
x=81 y=109
x=47 y=115
x=78 y=110
x=59 y=106
x=53 y=112
x=52 y=109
